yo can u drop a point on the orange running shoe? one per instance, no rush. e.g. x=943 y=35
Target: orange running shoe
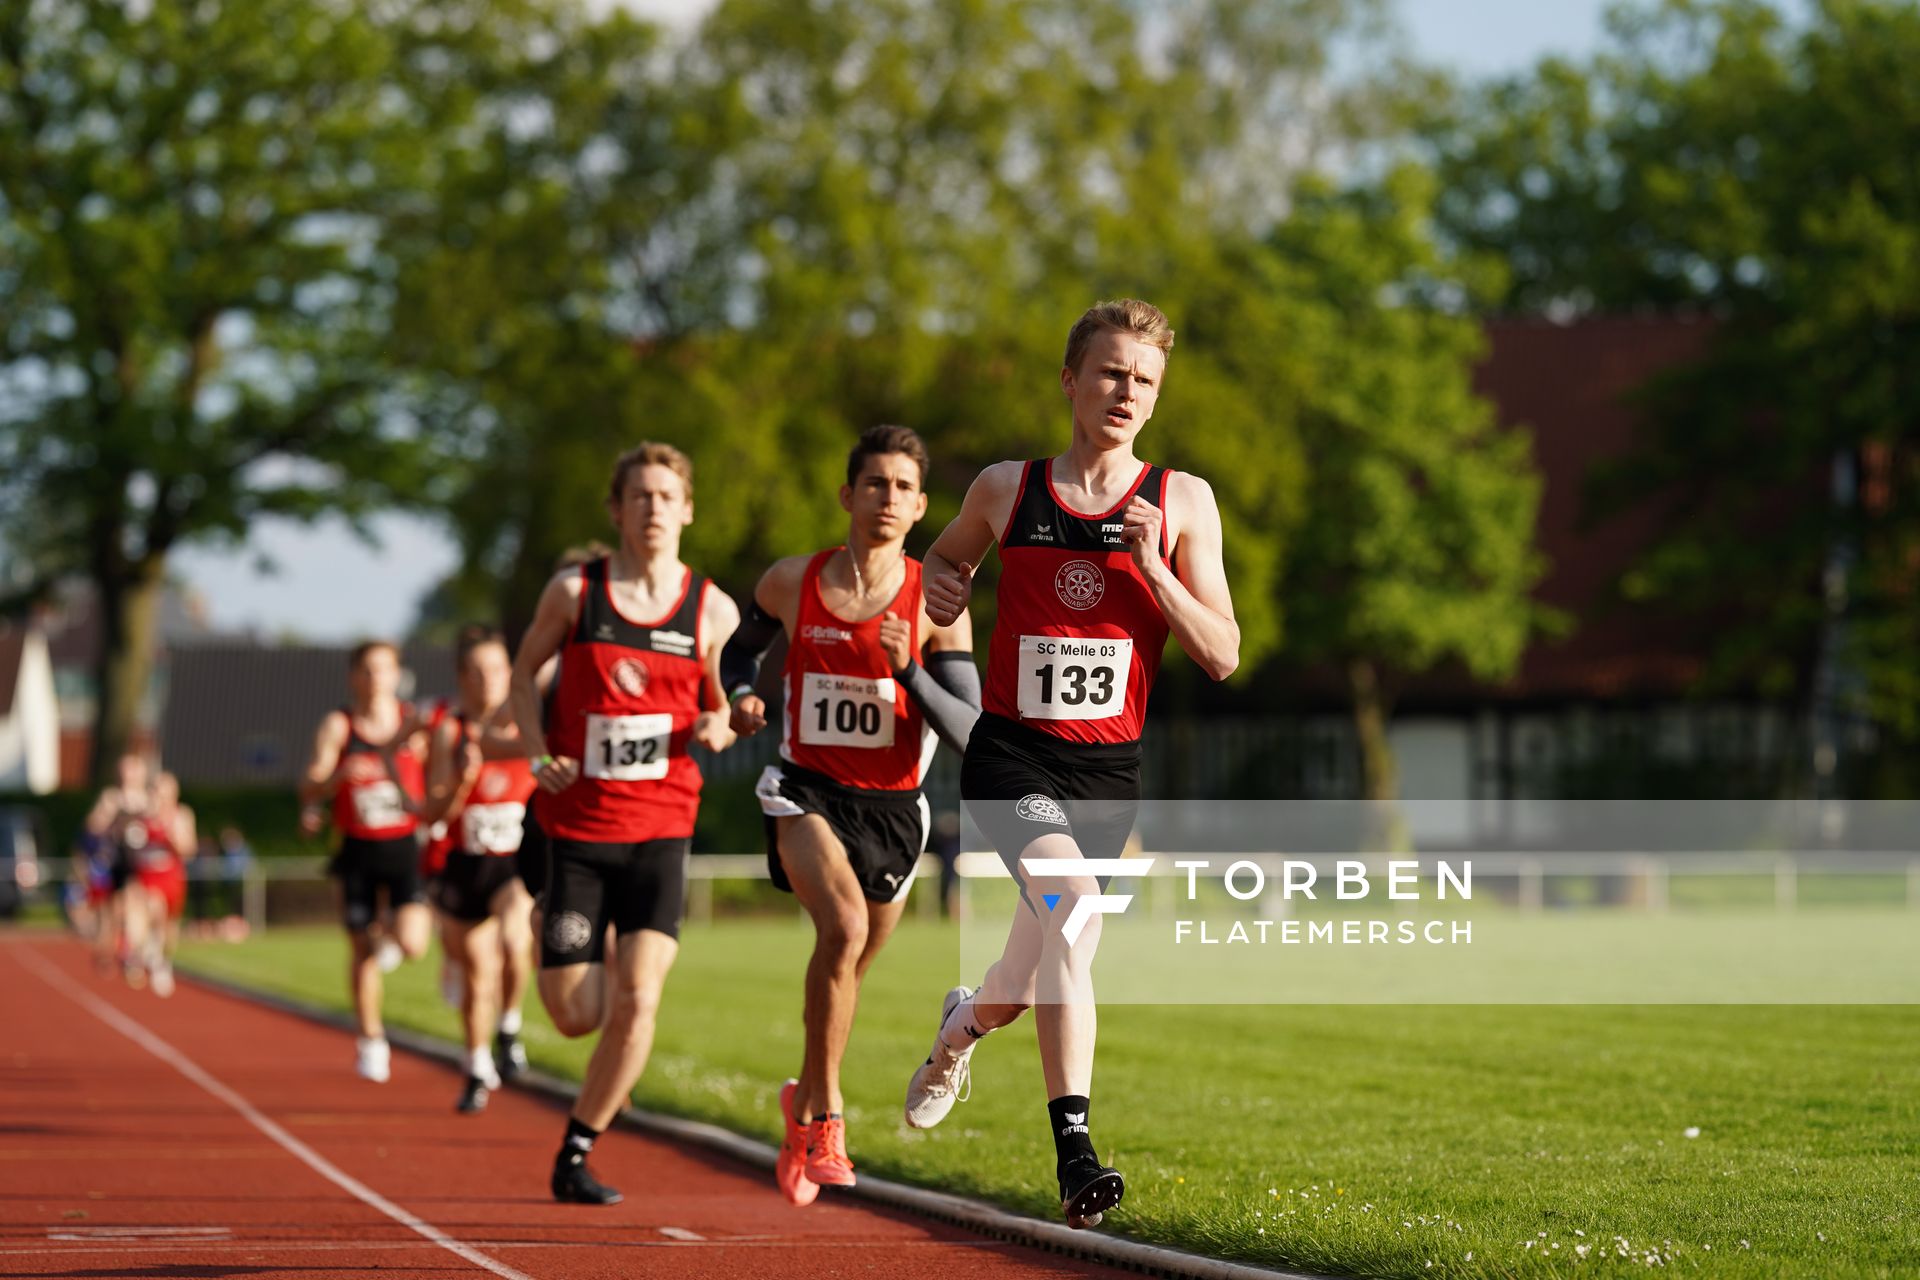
x=790 y=1170
x=827 y=1162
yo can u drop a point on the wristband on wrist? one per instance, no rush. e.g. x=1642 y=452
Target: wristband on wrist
x=541 y=761
x=739 y=692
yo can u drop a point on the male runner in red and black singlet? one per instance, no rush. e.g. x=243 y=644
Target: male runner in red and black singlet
x=161 y=871
x=846 y=821
x=478 y=786
x=367 y=761
x=1102 y=556
x=124 y=821
x=639 y=635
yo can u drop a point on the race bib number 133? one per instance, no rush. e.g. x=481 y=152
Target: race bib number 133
x=1069 y=678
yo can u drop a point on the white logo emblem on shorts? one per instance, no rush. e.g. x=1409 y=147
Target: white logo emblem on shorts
x=631 y=676
x=1039 y=808
x=569 y=931
x=1079 y=584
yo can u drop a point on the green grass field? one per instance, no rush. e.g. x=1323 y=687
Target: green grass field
x=1369 y=1140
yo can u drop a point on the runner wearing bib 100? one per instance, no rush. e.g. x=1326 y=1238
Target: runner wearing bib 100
x=624 y=706
x=855 y=745
x=846 y=716
x=1078 y=639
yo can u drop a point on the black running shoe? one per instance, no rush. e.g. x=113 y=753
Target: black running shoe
x=473 y=1098
x=1087 y=1190
x=574 y=1184
x=509 y=1055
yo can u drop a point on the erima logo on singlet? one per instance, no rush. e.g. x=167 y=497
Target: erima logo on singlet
x=674 y=642
x=824 y=635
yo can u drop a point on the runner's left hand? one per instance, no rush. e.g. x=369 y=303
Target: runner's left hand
x=711 y=730
x=1140 y=527
x=896 y=639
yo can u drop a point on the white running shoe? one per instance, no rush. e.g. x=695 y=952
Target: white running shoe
x=943 y=1079
x=375 y=1061
x=388 y=955
x=163 y=980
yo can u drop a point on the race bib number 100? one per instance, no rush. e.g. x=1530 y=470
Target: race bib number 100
x=846 y=711
x=1068 y=678
x=628 y=748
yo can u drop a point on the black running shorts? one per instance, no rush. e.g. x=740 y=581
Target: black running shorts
x=466 y=886
x=632 y=885
x=531 y=858
x=366 y=867
x=1020 y=784
x=883 y=832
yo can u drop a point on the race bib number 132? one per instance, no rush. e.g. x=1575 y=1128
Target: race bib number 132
x=628 y=748
x=1068 y=678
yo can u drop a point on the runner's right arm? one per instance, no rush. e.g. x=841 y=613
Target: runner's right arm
x=453 y=765
x=771 y=613
x=318 y=783
x=552 y=619
x=947 y=572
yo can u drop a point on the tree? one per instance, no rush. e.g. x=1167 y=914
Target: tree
x=1417 y=548
x=200 y=207
x=1720 y=158
x=885 y=210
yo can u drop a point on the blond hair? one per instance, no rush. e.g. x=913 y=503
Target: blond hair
x=1130 y=316
x=650 y=453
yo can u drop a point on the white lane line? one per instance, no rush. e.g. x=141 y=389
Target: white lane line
x=299 y=1150
x=680 y=1233
x=138 y=1233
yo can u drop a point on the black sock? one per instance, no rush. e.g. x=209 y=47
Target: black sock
x=1067 y=1117
x=579 y=1141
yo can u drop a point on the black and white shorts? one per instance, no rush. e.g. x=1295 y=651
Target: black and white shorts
x=883 y=832
x=632 y=885
x=1020 y=784
x=466 y=885
x=365 y=867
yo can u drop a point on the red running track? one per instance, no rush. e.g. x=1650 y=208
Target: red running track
x=206 y=1136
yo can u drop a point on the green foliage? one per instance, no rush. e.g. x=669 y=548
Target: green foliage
x=1419 y=546
x=1721 y=157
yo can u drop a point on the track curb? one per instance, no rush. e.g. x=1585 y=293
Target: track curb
x=987 y=1220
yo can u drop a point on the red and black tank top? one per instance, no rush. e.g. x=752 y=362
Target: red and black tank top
x=369 y=804
x=438 y=843
x=1078 y=638
x=624 y=706
x=488 y=822
x=846 y=716
x=146 y=843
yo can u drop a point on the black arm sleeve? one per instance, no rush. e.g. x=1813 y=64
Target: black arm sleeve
x=747 y=648
x=947 y=690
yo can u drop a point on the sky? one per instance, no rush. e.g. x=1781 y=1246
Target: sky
x=330 y=586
